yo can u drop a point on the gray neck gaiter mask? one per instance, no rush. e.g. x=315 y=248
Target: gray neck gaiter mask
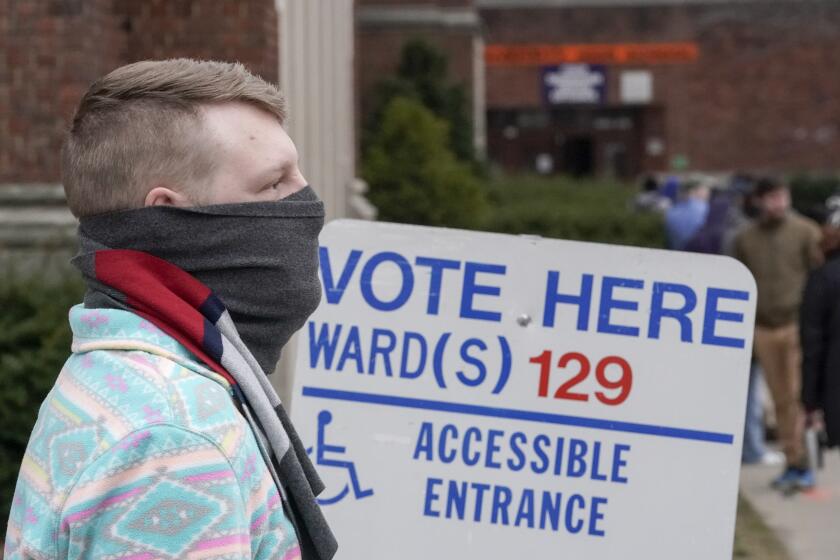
x=259 y=258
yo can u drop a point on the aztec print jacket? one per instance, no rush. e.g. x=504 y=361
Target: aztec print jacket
x=140 y=453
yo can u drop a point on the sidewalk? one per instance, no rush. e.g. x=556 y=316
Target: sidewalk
x=809 y=523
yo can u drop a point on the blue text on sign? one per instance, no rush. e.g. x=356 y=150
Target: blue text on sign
x=480 y=286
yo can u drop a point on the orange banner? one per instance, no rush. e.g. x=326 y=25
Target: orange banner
x=539 y=54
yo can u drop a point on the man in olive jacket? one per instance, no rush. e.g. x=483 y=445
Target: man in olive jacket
x=780 y=248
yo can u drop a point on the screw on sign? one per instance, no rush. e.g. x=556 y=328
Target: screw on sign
x=490 y=395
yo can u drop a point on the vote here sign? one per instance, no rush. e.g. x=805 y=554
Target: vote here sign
x=475 y=395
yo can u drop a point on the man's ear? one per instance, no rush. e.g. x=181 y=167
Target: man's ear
x=162 y=196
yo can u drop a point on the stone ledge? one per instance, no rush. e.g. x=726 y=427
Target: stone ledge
x=35 y=216
x=26 y=194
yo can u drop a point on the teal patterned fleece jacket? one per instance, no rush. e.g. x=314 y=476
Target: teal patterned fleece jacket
x=140 y=453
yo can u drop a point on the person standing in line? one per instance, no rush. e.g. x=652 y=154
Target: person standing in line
x=198 y=241
x=780 y=248
x=820 y=333
x=709 y=237
x=729 y=212
x=685 y=218
x=650 y=199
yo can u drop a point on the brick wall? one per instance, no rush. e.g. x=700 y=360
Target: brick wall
x=51 y=50
x=49 y=53
x=243 y=30
x=764 y=94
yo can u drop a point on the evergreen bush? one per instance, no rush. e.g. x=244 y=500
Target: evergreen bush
x=34 y=344
x=414 y=177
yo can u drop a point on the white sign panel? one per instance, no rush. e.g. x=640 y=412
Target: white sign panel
x=636 y=86
x=481 y=396
x=574 y=83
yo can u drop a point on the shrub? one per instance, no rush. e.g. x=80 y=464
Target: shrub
x=809 y=192
x=414 y=178
x=34 y=344
x=422 y=76
x=583 y=210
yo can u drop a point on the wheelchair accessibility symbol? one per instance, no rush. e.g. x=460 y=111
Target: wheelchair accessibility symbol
x=322 y=449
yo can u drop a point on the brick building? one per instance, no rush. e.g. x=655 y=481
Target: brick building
x=51 y=50
x=625 y=87
x=583 y=86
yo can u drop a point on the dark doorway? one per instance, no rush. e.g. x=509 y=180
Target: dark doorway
x=616 y=162
x=578 y=156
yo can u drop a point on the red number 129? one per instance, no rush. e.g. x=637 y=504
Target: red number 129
x=623 y=384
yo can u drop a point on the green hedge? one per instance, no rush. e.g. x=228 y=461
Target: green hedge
x=809 y=192
x=34 y=344
x=583 y=210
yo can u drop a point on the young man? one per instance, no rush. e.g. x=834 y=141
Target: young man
x=780 y=248
x=162 y=437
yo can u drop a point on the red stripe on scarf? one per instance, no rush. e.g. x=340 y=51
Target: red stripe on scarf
x=161 y=293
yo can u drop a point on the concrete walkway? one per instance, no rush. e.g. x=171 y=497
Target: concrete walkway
x=807 y=523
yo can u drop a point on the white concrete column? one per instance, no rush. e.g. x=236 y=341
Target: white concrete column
x=479 y=100
x=316 y=75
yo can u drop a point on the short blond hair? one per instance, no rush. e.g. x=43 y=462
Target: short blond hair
x=142 y=124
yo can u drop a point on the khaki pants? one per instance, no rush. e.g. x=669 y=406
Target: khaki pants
x=780 y=355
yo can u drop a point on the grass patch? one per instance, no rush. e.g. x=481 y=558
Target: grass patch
x=753 y=539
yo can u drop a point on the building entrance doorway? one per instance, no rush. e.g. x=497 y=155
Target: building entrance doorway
x=578 y=158
x=576 y=140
